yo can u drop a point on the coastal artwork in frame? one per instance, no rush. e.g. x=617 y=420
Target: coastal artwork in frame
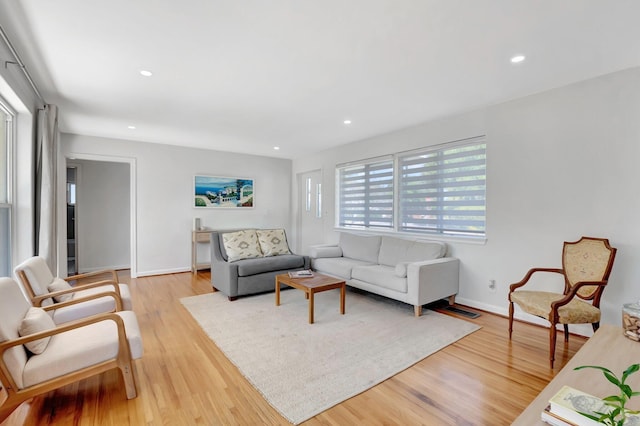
x=223 y=192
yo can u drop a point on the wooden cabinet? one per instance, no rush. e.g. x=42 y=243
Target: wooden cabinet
x=199 y=237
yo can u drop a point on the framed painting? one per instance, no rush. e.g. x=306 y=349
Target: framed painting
x=223 y=192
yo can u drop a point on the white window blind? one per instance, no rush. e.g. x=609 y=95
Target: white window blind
x=365 y=194
x=443 y=190
x=5 y=190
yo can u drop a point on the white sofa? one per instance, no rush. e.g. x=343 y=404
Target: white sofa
x=413 y=272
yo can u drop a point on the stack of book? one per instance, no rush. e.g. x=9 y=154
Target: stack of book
x=305 y=273
x=568 y=405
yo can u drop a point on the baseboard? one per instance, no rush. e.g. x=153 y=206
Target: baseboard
x=101 y=268
x=579 y=329
x=162 y=272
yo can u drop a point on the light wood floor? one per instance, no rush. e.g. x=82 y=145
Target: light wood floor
x=183 y=378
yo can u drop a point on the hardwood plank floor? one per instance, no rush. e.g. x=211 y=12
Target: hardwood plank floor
x=184 y=379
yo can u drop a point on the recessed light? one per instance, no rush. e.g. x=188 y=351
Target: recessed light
x=347 y=122
x=146 y=73
x=517 y=59
x=276 y=148
x=131 y=127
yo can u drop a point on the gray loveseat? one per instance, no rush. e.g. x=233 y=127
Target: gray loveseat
x=256 y=273
x=414 y=272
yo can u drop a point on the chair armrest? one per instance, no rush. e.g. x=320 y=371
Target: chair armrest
x=532 y=271
x=62 y=328
x=432 y=280
x=114 y=275
x=83 y=299
x=571 y=294
x=37 y=301
x=325 y=250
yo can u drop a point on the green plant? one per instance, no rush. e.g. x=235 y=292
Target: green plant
x=618 y=414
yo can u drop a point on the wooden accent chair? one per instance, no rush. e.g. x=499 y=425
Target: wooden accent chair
x=49 y=356
x=44 y=289
x=586 y=265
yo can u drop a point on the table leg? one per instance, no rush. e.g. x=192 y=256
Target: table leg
x=310 y=307
x=342 y=297
x=277 y=293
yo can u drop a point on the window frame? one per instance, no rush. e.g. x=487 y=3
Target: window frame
x=7 y=205
x=479 y=203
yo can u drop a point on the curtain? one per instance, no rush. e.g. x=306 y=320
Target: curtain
x=47 y=135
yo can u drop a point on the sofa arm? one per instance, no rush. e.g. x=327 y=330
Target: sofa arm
x=432 y=280
x=325 y=250
x=224 y=275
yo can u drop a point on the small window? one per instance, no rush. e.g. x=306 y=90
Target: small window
x=443 y=190
x=365 y=194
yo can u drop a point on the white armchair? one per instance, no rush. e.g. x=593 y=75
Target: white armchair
x=36 y=356
x=44 y=289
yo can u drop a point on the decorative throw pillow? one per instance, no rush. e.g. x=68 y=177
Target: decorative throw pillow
x=241 y=245
x=35 y=321
x=273 y=242
x=59 y=284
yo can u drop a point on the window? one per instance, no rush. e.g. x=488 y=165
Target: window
x=5 y=190
x=365 y=194
x=443 y=190
x=440 y=190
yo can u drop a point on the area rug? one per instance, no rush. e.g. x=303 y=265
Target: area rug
x=303 y=369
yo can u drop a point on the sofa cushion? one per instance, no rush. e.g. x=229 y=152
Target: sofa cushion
x=242 y=245
x=381 y=276
x=360 y=247
x=338 y=266
x=395 y=250
x=248 y=267
x=35 y=321
x=273 y=242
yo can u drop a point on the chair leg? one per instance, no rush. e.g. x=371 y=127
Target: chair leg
x=552 y=344
x=126 y=368
x=566 y=332
x=510 y=319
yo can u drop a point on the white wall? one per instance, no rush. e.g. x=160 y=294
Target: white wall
x=560 y=164
x=163 y=193
x=102 y=215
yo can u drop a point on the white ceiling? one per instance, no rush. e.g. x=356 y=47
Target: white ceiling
x=248 y=75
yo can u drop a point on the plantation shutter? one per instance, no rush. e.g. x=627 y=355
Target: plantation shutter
x=443 y=190
x=365 y=194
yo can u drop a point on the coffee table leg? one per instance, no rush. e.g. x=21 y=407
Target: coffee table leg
x=310 y=307
x=342 y=297
x=277 y=293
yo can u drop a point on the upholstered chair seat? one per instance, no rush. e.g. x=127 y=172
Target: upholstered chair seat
x=539 y=303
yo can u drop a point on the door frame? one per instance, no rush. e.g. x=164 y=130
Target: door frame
x=133 y=241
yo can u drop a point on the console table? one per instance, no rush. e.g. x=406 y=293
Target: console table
x=607 y=348
x=198 y=237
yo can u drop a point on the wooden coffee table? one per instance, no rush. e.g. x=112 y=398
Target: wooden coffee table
x=310 y=286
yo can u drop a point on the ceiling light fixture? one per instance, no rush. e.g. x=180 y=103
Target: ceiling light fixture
x=517 y=59
x=276 y=148
x=131 y=127
x=347 y=122
x=146 y=73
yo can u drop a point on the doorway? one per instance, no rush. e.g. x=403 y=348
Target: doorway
x=311 y=215
x=102 y=220
x=72 y=230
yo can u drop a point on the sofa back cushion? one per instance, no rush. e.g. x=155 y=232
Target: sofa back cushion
x=397 y=250
x=360 y=247
x=241 y=245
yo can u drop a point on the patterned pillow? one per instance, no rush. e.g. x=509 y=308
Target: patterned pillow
x=273 y=242
x=241 y=245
